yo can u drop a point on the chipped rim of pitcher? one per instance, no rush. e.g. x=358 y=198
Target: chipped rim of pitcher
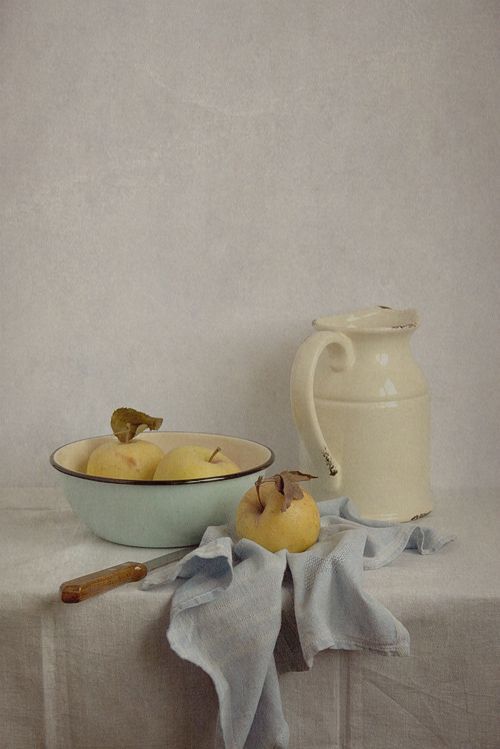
x=352 y=322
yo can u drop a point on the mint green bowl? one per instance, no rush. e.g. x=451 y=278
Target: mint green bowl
x=158 y=514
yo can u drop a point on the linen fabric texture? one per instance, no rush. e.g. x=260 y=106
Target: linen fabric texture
x=245 y=615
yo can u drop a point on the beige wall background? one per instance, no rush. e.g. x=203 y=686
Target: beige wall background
x=186 y=185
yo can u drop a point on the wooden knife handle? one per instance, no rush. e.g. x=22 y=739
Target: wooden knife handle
x=81 y=588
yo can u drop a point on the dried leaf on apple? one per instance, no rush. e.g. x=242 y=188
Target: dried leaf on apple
x=286 y=483
x=127 y=422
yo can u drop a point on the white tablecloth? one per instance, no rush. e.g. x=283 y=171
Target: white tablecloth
x=100 y=674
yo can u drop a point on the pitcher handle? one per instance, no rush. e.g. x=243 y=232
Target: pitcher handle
x=302 y=397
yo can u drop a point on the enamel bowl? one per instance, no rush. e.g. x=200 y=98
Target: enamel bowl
x=158 y=514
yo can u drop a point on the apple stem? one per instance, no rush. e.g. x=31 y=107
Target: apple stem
x=217 y=450
x=123 y=435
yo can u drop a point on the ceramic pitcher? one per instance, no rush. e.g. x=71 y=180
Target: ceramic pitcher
x=361 y=407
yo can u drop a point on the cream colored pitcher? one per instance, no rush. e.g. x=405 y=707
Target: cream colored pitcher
x=362 y=410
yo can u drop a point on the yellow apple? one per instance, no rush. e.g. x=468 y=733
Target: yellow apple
x=136 y=459
x=194 y=462
x=266 y=517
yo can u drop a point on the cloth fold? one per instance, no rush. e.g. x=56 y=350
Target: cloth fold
x=240 y=612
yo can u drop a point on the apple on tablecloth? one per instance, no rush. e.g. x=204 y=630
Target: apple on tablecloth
x=278 y=514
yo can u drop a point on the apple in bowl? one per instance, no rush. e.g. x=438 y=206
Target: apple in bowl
x=194 y=462
x=131 y=460
x=128 y=458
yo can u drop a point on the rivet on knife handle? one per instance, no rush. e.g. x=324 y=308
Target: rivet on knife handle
x=81 y=588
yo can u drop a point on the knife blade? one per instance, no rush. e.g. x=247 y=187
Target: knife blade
x=95 y=583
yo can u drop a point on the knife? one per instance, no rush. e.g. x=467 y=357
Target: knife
x=81 y=588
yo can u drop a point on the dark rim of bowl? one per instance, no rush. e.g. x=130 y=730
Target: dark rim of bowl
x=142 y=482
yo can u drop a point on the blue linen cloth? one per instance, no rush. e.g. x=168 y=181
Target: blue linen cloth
x=243 y=614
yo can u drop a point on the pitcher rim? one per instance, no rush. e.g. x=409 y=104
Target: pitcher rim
x=390 y=320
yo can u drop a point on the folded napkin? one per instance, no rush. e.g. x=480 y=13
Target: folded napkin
x=242 y=613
